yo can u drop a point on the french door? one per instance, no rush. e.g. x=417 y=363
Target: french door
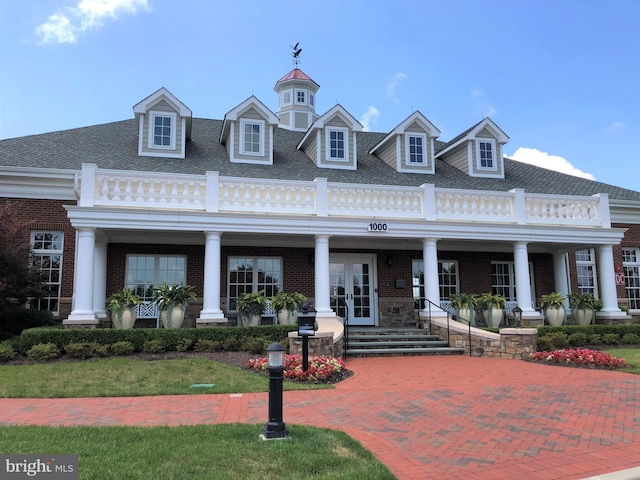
x=352 y=283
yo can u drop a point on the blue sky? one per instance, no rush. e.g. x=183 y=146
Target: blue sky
x=560 y=77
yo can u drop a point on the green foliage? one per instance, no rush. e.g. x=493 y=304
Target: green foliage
x=558 y=339
x=578 y=339
x=122 y=299
x=184 y=345
x=492 y=300
x=122 y=348
x=251 y=303
x=584 y=300
x=464 y=300
x=630 y=339
x=43 y=352
x=595 y=339
x=257 y=345
x=287 y=301
x=153 y=346
x=544 y=345
x=611 y=339
x=554 y=299
x=207 y=346
x=6 y=351
x=169 y=296
x=86 y=350
x=15 y=320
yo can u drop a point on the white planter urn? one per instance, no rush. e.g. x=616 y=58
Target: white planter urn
x=466 y=315
x=288 y=317
x=493 y=316
x=124 y=319
x=554 y=316
x=173 y=317
x=251 y=320
x=582 y=316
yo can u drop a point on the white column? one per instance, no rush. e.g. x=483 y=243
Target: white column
x=608 y=294
x=523 y=284
x=84 y=268
x=321 y=263
x=431 y=280
x=560 y=275
x=211 y=312
x=100 y=280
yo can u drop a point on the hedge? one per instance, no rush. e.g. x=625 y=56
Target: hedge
x=592 y=329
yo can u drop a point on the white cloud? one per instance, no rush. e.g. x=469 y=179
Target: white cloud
x=67 y=23
x=534 y=156
x=369 y=117
x=615 y=127
x=393 y=83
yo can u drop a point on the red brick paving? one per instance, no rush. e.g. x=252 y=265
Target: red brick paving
x=424 y=417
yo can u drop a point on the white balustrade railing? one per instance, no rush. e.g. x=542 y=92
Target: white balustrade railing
x=211 y=192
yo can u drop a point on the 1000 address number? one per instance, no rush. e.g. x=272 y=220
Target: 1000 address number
x=377 y=227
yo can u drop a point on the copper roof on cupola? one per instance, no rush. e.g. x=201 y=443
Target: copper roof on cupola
x=296 y=74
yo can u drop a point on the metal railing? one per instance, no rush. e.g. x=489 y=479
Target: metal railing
x=450 y=316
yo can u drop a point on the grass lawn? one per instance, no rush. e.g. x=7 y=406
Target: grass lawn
x=118 y=377
x=631 y=356
x=220 y=452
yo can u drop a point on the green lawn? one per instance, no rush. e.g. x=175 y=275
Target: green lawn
x=118 y=377
x=631 y=356
x=220 y=452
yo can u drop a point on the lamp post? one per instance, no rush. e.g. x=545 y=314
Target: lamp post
x=275 y=428
x=517 y=316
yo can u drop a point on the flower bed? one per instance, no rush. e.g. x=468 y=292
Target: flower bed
x=580 y=357
x=322 y=369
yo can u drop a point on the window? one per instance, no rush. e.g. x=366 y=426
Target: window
x=251 y=274
x=46 y=249
x=286 y=97
x=631 y=266
x=337 y=144
x=415 y=145
x=486 y=154
x=162 y=131
x=586 y=271
x=146 y=271
x=503 y=280
x=251 y=139
x=301 y=96
x=447 y=279
x=312 y=99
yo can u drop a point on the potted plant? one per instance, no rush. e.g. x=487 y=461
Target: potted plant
x=465 y=305
x=492 y=305
x=286 y=305
x=172 y=302
x=583 y=306
x=553 y=306
x=121 y=305
x=250 y=306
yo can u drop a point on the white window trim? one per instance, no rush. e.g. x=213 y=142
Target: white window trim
x=407 y=155
x=243 y=122
x=328 y=156
x=512 y=278
x=156 y=258
x=295 y=96
x=45 y=252
x=255 y=285
x=312 y=99
x=588 y=263
x=628 y=264
x=493 y=150
x=284 y=96
x=152 y=118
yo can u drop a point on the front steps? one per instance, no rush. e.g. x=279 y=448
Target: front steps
x=376 y=341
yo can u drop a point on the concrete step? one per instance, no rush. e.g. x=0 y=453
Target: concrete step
x=371 y=336
x=389 y=343
x=403 y=351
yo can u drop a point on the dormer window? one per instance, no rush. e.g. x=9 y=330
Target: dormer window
x=251 y=137
x=163 y=132
x=337 y=144
x=301 y=96
x=415 y=149
x=286 y=97
x=486 y=149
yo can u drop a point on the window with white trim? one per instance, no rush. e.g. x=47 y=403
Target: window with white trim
x=286 y=97
x=631 y=268
x=252 y=274
x=162 y=130
x=46 y=257
x=143 y=272
x=312 y=100
x=447 y=279
x=486 y=153
x=337 y=144
x=251 y=137
x=503 y=280
x=301 y=97
x=415 y=146
x=586 y=271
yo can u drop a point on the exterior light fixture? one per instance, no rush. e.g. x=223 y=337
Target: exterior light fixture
x=517 y=316
x=275 y=428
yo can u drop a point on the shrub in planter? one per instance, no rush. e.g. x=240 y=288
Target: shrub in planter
x=553 y=306
x=6 y=352
x=492 y=305
x=286 y=306
x=122 y=348
x=465 y=305
x=250 y=306
x=43 y=352
x=172 y=301
x=121 y=304
x=583 y=307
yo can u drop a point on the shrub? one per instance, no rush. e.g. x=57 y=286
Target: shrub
x=6 y=351
x=207 y=346
x=15 y=320
x=544 y=345
x=595 y=339
x=630 y=338
x=122 y=348
x=578 y=339
x=184 y=345
x=257 y=345
x=611 y=338
x=558 y=339
x=86 y=350
x=230 y=345
x=43 y=352
x=153 y=346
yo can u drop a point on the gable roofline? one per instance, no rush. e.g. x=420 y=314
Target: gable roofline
x=471 y=133
x=233 y=114
x=147 y=103
x=416 y=116
x=338 y=109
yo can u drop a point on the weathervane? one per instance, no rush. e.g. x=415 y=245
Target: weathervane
x=296 y=53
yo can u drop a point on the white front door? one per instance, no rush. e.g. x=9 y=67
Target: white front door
x=352 y=284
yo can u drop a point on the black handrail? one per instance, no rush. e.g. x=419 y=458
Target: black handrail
x=449 y=316
x=346 y=329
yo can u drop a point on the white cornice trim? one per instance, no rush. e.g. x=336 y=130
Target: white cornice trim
x=42 y=183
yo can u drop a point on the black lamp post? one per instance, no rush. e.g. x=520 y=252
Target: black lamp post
x=517 y=316
x=275 y=428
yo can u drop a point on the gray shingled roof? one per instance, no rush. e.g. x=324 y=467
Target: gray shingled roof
x=115 y=146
